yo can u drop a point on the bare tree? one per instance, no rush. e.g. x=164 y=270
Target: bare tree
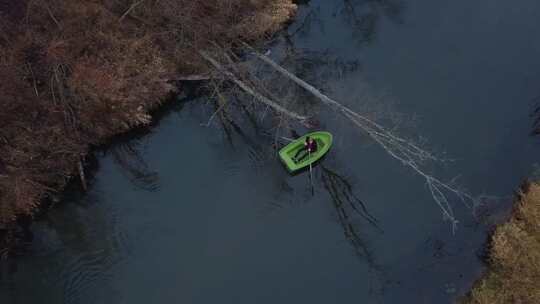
x=406 y=151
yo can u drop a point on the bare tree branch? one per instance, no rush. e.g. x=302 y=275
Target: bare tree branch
x=249 y=90
x=52 y=16
x=134 y=5
x=33 y=79
x=408 y=153
x=405 y=151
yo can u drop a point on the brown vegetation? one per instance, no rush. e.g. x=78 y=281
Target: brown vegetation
x=514 y=270
x=74 y=73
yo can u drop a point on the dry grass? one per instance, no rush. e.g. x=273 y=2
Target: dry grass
x=74 y=73
x=514 y=270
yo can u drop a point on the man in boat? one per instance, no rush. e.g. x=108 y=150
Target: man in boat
x=310 y=146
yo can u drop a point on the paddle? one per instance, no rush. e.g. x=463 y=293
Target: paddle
x=311 y=174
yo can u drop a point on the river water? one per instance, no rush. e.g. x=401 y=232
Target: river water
x=182 y=214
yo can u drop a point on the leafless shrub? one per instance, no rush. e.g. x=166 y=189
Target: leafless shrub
x=77 y=72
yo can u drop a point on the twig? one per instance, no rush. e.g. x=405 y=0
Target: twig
x=33 y=79
x=82 y=176
x=135 y=4
x=52 y=89
x=193 y=77
x=52 y=16
x=286 y=138
x=221 y=106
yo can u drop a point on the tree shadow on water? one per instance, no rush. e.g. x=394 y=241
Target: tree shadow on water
x=363 y=18
x=536 y=115
x=348 y=208
x=134 y=166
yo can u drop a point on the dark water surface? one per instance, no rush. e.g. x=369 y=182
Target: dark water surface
x=182 y=216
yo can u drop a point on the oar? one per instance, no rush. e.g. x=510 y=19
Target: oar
x=311 y=174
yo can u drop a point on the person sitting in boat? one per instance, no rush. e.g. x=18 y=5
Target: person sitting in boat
x=310 y=146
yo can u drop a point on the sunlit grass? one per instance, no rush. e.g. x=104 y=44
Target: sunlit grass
x=514 y=258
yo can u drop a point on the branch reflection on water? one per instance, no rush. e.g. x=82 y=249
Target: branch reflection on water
x=340 y=191
x=347 y=204
x=362 y=16
x=536 y=115
x=351 y=213
x=365 y=16
x=134 y=166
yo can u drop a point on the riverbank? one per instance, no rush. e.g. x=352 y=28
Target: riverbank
x=514 y=256
x=76 y=73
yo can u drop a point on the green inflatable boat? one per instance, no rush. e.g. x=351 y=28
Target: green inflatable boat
x=286 y=154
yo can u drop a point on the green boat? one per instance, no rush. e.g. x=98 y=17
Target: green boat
x=286 y=154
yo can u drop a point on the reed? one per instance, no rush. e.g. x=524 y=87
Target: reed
x=513 y=274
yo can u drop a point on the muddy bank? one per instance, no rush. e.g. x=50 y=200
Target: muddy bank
x=514 y=256
x=75 y=73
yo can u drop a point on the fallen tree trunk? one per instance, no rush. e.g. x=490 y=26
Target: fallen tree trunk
x=251 y=91
x=192 y=77
x=405 y=151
